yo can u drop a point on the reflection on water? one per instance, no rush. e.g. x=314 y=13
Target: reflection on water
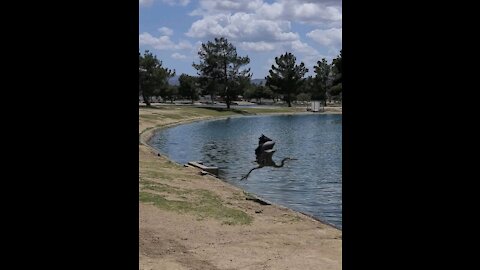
x=311 y=184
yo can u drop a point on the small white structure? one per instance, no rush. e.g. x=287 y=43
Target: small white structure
x=315 y=106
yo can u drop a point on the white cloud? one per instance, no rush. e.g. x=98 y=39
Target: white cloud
x=327 y=37
x=166 y=31
x=176 y=2
x=303 y=48
x=330 y=2
x=271 y=11
x=178 y=56
x=312 y=12
x=146 y=3
x=214 y=7
x=208 y=26
x=183 y=45
x=306 y=11
x=260 y=46
x=242 y=27
x=305 y=53
x=162 y=42
x=257 y=26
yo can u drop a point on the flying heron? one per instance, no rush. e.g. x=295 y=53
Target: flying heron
x=264 y=153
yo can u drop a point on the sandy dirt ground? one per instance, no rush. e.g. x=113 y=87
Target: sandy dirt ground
x=193 y=221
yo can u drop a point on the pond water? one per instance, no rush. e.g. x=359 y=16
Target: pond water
x=312 y=184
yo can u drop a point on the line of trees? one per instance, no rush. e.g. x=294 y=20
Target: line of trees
x=153 y=78
x=222 y=72
x=288 y=79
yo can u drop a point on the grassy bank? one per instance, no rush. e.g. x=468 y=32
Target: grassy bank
x=193 y=221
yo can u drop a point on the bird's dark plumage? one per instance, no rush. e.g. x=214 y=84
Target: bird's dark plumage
x=264 y=153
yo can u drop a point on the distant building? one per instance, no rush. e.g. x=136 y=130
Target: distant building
x=316 y=106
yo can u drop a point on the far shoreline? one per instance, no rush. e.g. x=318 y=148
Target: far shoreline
x=146 y=134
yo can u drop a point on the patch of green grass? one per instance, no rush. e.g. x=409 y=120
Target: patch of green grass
x=158 y=170
x=178 y=116
x=157 y=107
x=185 y=111
x=155 y=116
x=158 y=187
x=161 y=202
x=156 y=174
x=237 y=196
x=155 y=165
x=295 y=219
x=210 y=111
x=150 y=116
x=211 y=205
x=203 y=203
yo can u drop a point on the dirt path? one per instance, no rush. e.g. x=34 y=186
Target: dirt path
x=190 y=221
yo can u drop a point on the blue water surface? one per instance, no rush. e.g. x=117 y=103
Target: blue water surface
x=312 y=184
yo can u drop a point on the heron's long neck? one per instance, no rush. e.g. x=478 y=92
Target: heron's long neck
x=282 y=163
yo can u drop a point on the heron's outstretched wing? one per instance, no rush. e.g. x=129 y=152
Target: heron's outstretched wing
x=268 y=145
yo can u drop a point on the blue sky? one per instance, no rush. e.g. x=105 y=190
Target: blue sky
x=261 y=29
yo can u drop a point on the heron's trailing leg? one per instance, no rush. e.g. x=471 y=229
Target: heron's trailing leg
x=246 y=176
